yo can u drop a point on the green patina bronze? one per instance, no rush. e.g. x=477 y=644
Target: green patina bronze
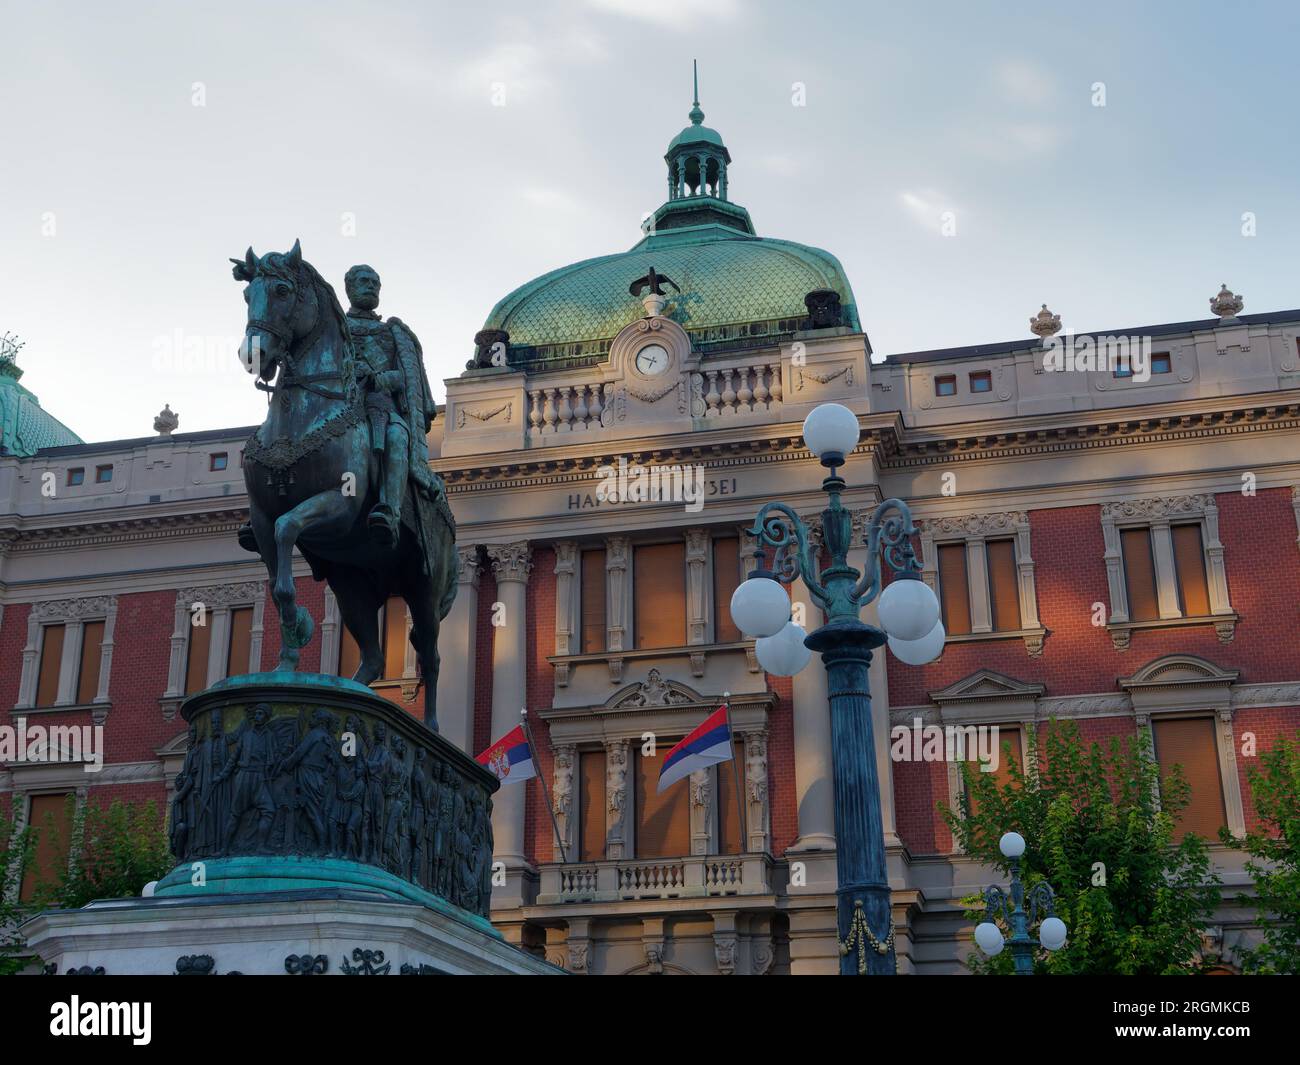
x=25 y=427
x=737 y=289
x=339 y=468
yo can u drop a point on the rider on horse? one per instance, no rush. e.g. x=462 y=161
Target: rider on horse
x=399 y=406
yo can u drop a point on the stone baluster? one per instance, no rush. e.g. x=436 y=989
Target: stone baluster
x=712 y=398
x=565 y=413
x=535 y=410
x=728 y=393
x=760 y=389
x=580 y=408
x=775 y=371
x=548 y=412
x=596 y=407
x=745 y=394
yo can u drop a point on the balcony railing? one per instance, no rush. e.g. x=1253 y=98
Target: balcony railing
x=697 y=876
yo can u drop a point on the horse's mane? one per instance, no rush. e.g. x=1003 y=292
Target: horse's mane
x=276 y=265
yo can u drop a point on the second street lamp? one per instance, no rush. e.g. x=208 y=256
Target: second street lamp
x=909 y=613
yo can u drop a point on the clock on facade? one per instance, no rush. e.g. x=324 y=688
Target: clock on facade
x=652 y=360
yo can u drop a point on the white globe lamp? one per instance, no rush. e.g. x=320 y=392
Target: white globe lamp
x=1012 y=844
x=760 y=607
x=919 y=652
x=784 y=654
x=831 y=431
x=1051 y=933
x=988 y=937
x=908 y=609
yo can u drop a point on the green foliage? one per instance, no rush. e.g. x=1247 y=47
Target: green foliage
x=1134 y=901
x=16 y=847
x=1274 y=863
x=114 y=851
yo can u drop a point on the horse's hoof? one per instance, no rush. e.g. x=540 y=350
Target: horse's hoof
x=299 y=633
x=246 y=538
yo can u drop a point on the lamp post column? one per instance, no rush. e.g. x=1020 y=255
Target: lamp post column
x=863 y=880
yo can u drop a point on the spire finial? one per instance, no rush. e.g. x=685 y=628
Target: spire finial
x=696 y=115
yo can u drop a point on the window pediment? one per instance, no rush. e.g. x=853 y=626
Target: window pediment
x=1180 y=682
x=987 y=694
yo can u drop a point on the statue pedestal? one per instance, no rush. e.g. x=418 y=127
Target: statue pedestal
x=275 y=932
x=311 y=817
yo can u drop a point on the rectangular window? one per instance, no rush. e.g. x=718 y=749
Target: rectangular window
x=1139 y=574
x=663 y=820
x=981 y=381
x=945 y=385
x=1123 y=367
x=954 y=592
x=1004 y=585
x=731 y=837
x=196 y=665
x=50 y=817
x=394 y=638
x=726 y=577
x=1189 y=561
x=103 y=474
x=241 y=638
x=593 y=601
x=218 y=461
x=47 y=679
x=1160 y=362
x=92 y=642
x=1190 y=743
x=659 y=611
x=591 y=806
x=77 y=476
x=1008 y=737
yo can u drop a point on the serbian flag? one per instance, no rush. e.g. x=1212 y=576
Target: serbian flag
x=707 y=745
x=510 y=758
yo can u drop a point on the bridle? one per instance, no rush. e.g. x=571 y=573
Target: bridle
x=287 y=378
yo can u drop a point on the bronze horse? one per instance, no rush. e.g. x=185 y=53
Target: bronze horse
x=312 y=477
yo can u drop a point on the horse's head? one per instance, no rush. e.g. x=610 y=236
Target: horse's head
x=282 y=307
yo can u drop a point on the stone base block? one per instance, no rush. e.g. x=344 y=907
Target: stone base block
x=325 y=931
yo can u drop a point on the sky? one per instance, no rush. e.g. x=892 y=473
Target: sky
x=966 y=162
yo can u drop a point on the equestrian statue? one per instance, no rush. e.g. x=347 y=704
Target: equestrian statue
x=339 y=468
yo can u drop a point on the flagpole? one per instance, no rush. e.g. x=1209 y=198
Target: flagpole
x=546 y=792
x=735 y=774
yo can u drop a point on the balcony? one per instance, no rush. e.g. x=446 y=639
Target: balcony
x=694 y=877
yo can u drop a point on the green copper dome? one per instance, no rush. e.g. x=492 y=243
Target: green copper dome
x=738 y=290
x=25 y=427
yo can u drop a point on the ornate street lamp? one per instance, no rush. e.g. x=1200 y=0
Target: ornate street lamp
x=1051 y=933
x=909 y=613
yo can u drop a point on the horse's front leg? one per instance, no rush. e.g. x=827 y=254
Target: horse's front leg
x=327 y=512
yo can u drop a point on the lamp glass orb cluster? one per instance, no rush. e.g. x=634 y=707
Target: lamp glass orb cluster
x=1051 y=931
x=908 y=608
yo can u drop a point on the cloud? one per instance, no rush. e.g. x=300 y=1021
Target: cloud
x=671 y=14
x=928 y=208
x=1025 y=83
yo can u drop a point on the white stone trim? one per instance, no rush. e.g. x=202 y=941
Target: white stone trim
x=975 y=530
x=1158 y=514
x=219 y=600
x=73 y=615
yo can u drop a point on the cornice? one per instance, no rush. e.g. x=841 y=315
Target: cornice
x=74 y=533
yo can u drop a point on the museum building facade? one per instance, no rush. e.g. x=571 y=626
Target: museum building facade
x=1113 y=542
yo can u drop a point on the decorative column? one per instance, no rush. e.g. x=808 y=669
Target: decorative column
x=814 y=786
x=566 y=757
x=457 y=649
x=512 y=564
x=618 y=553
x=759 y=840
x=701 y=793
x=697 y=585
x=617 y=800
x=568 y=612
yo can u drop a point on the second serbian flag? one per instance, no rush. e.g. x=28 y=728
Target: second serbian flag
x=706 y=746
x=510 y=758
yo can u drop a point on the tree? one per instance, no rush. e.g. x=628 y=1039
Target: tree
x=1274 y=863
x=1099 y=827
x=113 y=852
x=17 y=844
